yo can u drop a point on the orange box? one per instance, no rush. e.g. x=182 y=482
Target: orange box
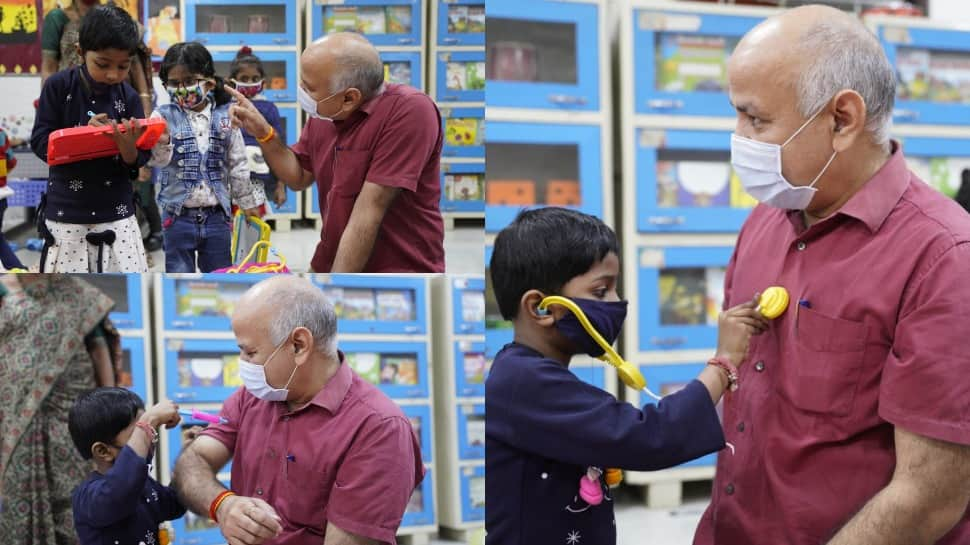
x=563 y=193
x=510 y=192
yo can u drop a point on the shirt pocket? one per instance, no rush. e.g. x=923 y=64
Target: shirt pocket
x=308 y=491
x=823 y=361
x=349 y=170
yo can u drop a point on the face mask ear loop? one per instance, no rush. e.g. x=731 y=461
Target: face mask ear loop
x=800 y=129
x=610 y=355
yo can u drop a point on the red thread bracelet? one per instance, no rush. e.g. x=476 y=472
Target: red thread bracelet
x=150 y=431
x=721 y=362
x=218 y=502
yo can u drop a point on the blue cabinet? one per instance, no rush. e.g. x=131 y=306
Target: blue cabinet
x=403 y=67
x=460 y=76
x=463 y=187
x=377 y=304
x=471 y=431
x=133 y=366
x=941 y=162
x=473 y=493
x=201 y=370
x=382 y=22
x=420 y=508
x=471 y=368
x=464 y=130
x=664 y=380
x=468 y=305
x=241 y=22
x=279 y=83
x=685 y=182
x=126 y=292
x=544 y=54
x=420 y=418
x=535 y=164
x=290 y=121
x=399 y=369
x=194 y=303
x=461 y=22
x=932 y=86
x=680 y=292
x=680 y=60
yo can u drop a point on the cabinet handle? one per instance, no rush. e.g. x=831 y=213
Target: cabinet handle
x=450 y=41
x=404 y=41
x=668 y=341
x=181 y=323
x=665 y=104
x=666 y=220
x=911 y=115
x=411 y=329
x=449 y=97
x=465 y=327
x=564 y=100
x=121 y=324
x=281 y=41
x=202 y=40
x=185 y=395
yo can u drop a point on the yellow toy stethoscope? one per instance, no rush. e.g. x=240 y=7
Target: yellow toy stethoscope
x=772 y=304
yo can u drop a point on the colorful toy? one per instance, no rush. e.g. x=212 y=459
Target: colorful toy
x=204 y=417
x=83 y=143
x=773 y=302
x=589 y=486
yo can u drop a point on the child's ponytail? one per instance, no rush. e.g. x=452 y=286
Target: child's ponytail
x=220 y=94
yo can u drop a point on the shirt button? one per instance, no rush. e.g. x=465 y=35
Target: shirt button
x=741 y=426
x=286 y=419
x=800 y=246
x=729 y=490
x=759 y=367
x=545 y=476
x=259 y=491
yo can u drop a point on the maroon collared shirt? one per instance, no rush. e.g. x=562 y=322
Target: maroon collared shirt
x=350 y=457
x=393 y=140
x=875 y=337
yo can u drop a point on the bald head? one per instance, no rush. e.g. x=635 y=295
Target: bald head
x=346 y=60
x=815 y=51
x=284 y=303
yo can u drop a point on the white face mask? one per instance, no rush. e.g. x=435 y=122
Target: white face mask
x=758 y=165
x=309 y=105
x=254 y=378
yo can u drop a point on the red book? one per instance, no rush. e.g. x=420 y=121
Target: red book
x=83 y=143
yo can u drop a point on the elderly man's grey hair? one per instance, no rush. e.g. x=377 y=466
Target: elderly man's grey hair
x=846 y=55
x=301 y=304
x=356 y=64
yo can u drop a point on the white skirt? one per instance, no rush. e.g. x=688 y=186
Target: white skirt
x=72 y=253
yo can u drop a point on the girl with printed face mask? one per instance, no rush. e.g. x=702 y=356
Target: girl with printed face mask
x=204 y=169
x=247 y=75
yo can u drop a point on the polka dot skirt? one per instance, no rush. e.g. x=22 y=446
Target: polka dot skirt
x=72 y=253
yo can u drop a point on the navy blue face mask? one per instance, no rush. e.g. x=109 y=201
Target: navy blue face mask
x=606 y=317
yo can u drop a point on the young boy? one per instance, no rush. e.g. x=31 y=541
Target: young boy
x=545 y=426
x=120 y=502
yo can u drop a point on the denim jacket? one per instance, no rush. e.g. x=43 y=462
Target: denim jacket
x=227 y=173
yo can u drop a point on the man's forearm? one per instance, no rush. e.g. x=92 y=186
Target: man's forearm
x=195 y=482
x=356 y=243
x=896 y=516
x=283 y=162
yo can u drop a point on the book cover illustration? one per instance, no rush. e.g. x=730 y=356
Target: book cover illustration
x=683 y=296
x=358 y=304
x=399 y=369
x=365 y=364
x=395 y=305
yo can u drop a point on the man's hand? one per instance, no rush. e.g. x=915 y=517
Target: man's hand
x=279 y=196
x=247 y=521
x=245 y=116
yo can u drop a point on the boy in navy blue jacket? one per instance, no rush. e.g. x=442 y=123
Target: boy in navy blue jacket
x=545 y=427
x=120 y=502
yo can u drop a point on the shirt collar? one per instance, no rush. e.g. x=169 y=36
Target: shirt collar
x=334 y=392
x=368 y=107
x=873 y=203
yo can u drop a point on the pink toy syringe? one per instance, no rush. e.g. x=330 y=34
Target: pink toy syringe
x=205 y=417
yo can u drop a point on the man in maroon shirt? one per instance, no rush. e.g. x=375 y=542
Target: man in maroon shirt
x=852 y=420
x=374 y=150
x=320 y=457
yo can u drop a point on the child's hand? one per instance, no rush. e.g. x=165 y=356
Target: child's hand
x=165 y=412
x=279 y=196
x=165 y=139
x=99 y=120
x=190 y=434
x=735 y=328
x=126 y=140
x=254 y=212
